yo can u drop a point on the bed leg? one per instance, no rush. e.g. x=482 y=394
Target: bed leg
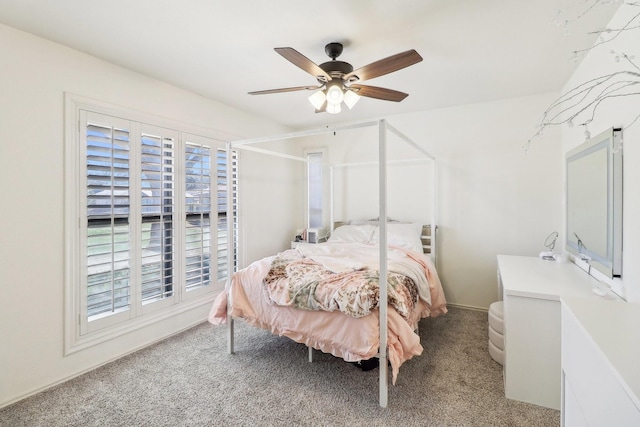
x=310 y=353
x=383 y=381
x=230 y=334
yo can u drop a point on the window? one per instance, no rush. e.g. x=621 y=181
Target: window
x=224 y=186
x=199 y=160
x=314 y=191
x=197 y=215
x=156 y=188
x=108 y=244
x=142 y=196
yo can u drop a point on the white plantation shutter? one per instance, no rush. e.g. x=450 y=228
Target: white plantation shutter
x=198 y=213
x=108 y=207
x=225 y=185
x=206 y=205
x=157 y=209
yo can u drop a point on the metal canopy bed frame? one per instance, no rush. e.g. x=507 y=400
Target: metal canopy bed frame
x=384 y=129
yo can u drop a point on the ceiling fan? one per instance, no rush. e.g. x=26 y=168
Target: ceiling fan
x=338 y=82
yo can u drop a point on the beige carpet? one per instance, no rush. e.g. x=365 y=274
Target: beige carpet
x=190 y=380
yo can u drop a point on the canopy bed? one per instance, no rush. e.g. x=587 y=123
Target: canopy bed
x=326 y=295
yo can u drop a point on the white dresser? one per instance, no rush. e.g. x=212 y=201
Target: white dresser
x=532 y=289
x=600 y=363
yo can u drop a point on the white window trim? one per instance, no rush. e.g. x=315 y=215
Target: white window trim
x=74 y=341
x=325 y=184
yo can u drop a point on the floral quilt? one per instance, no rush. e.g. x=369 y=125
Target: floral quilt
x=300 y=282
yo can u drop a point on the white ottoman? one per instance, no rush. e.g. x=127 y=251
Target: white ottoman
x=496 y=331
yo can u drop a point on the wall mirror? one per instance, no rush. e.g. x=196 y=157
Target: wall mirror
x=594 y=202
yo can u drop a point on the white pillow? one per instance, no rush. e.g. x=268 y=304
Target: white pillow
x=404 y=235
x=374 y=221
x=352 y=233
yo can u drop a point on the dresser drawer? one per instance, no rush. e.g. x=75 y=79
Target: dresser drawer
x=591 y=386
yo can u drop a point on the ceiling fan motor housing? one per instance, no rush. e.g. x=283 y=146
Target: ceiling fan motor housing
x=336 y=69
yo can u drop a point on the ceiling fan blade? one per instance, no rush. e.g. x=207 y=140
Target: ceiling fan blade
x=285 y=89
x=385 y=66
x=379 y=93
x=301 y=61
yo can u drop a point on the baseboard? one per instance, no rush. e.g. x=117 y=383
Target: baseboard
x=468 y=307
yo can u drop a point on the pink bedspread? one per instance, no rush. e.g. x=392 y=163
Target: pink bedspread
x=349 y=338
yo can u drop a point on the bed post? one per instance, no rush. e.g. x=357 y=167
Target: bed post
x=332 y=218
x=434 y=251
x=230 y=245
x=229 y=332
x=382 y=200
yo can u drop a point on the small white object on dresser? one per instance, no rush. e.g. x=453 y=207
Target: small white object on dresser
x=600 y=359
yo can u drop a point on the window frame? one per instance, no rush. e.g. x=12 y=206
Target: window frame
x=324 y=182
x=79 y=332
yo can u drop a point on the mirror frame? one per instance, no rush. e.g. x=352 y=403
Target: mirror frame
x=608 y=262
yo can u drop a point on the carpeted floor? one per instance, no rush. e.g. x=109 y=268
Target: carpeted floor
x=190 y=380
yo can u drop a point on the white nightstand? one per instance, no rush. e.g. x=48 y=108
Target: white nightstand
x=295 y=244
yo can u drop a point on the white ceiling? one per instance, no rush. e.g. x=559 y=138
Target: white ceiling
x=473 y=50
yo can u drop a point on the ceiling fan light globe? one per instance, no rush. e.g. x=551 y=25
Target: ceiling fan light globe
x=334 y=95
x=318 y=99
x=333 y=108
x=351 y=98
